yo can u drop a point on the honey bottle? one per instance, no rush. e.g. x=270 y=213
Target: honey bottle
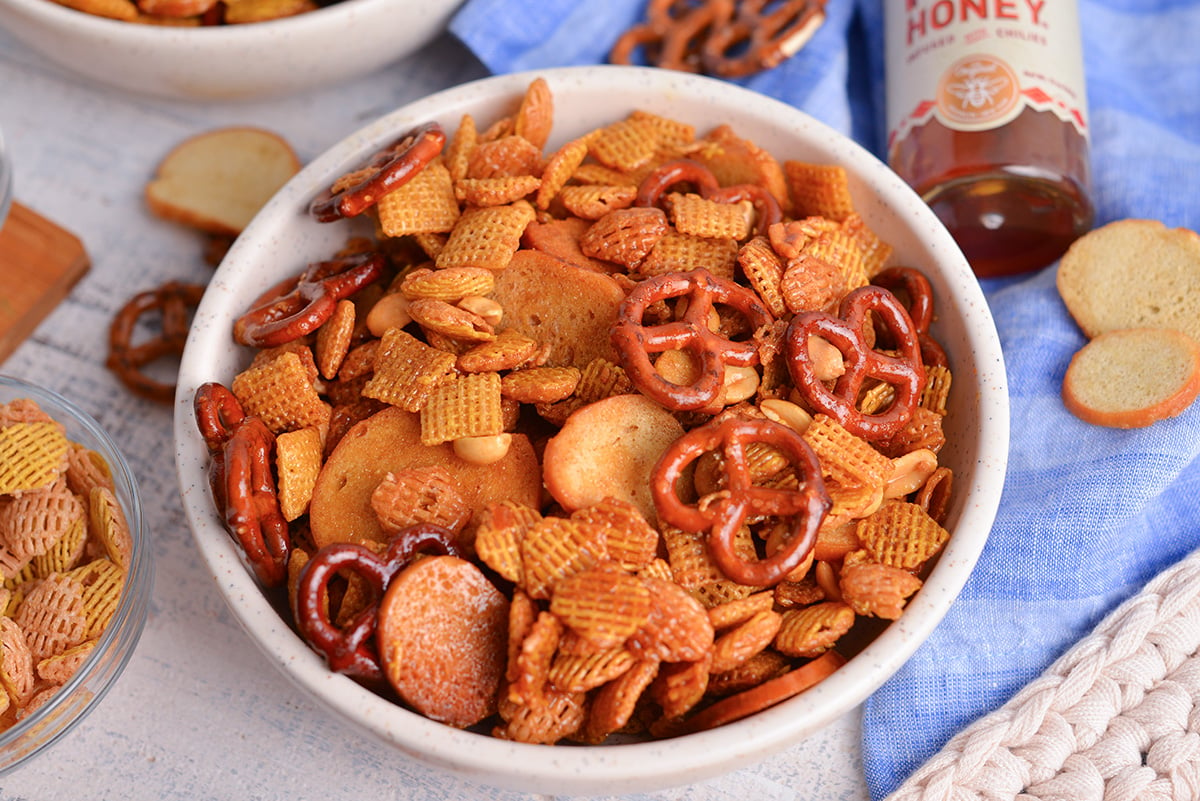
x=987 y=121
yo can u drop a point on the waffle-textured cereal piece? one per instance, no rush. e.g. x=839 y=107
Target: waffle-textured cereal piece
x=16 y=662
x=855 y=472
x=32 y=455
x=108 y=526
x=531 y=672
x=281 y=393
x=810 y=283
x=406 y=370
x=87 y=469
x=498 y=537
x=458 y=149
x=876 y=253
x=901 y=534
x=593 y=201
x=540 y=384
x=677 y=629
x=65 y=553
x=733 y=612
x=243 y=12
x=629 y=538
x=821 y=190
x=558 y=170
x=625 y=236
x=298 y=459
x=602 y=379
x=842 y=249
x=554 y=548
x=334 y=339
x=425 y=204
x=744 y=640
x=936 y=393
x=602 y=604
x=679 y=686
x=762 y=667
x=101 y=581
x=812 y=630
x=59 y=668
x=32 y=522
x=764 y=270
x=678 y=252
x=877 y=590
x=579 y=673
x=508 y=351
x=486 y=237
x=505 y=157
x=420 y=495
x=698 y=216
x=560 y=715
x=535 y=118
x=467 y=406
x=613 y=704
x=627 y=144
x=499 y=190
x=53 y=616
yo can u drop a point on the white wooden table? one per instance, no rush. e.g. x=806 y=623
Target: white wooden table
x=199 y=713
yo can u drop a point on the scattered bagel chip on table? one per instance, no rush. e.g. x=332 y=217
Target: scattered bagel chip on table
x=1133 y=288
x=614 y=446
x=213 y=182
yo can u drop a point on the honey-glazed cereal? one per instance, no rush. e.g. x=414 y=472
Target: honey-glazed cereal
x=64 y=550
x=642 y=392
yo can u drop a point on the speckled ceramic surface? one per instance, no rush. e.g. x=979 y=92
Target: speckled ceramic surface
x=229 y=62
x=282 y=240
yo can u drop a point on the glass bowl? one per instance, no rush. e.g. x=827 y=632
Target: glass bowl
x=80 y=694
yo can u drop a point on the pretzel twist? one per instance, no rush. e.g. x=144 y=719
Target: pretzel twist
x=388 y=170
x=351 y=649
x=864 y=307
x=912 y=284
x=723 y=514
x=299 y=306
x=175 y=301
x=635 y=342
x=704 y=183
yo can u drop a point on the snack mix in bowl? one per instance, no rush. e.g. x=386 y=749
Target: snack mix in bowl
x=77 y=571
x=615 y=437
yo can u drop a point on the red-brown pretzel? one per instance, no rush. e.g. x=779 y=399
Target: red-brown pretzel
x=218 y=413
x=678 y=171
x=299 y=306
x=904 y=371
x=252 y=513
x=635 y=342
x=673 y=35
x=915 y=286
x=351 y=649
x=723 y=513
x=175 y=302
x=390 y=169
x=753 y=41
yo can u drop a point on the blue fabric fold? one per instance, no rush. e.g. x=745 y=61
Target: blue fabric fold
x=1088 y=514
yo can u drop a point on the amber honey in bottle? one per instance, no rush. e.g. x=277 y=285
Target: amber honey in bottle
x=987 y=121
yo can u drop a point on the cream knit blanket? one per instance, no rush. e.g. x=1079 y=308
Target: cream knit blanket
x=1116 y=718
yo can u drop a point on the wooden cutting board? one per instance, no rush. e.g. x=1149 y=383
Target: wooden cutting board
x=39 y=264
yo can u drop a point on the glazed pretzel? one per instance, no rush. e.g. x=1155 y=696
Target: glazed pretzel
x=723 y=513
x=753 y=41
x=175 y=302
x=725 y=38
x=861 y=308
x=388 y=170
x=913 y=284
x=635 y=342
x=351 y=649
x=299 y=306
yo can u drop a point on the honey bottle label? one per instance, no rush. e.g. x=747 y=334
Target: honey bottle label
x=975 y=65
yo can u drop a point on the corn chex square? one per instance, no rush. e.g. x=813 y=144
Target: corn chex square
x=426 y=204
x=407 y=370
x=468 y=406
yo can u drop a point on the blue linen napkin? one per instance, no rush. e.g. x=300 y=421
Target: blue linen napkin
x=1088 y=515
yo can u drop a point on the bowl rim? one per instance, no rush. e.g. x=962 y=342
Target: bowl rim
x=124 y=32
x=626 y=767
x=128 y=620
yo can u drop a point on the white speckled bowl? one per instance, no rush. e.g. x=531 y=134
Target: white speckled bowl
x=282 y=239
x=229 y=62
